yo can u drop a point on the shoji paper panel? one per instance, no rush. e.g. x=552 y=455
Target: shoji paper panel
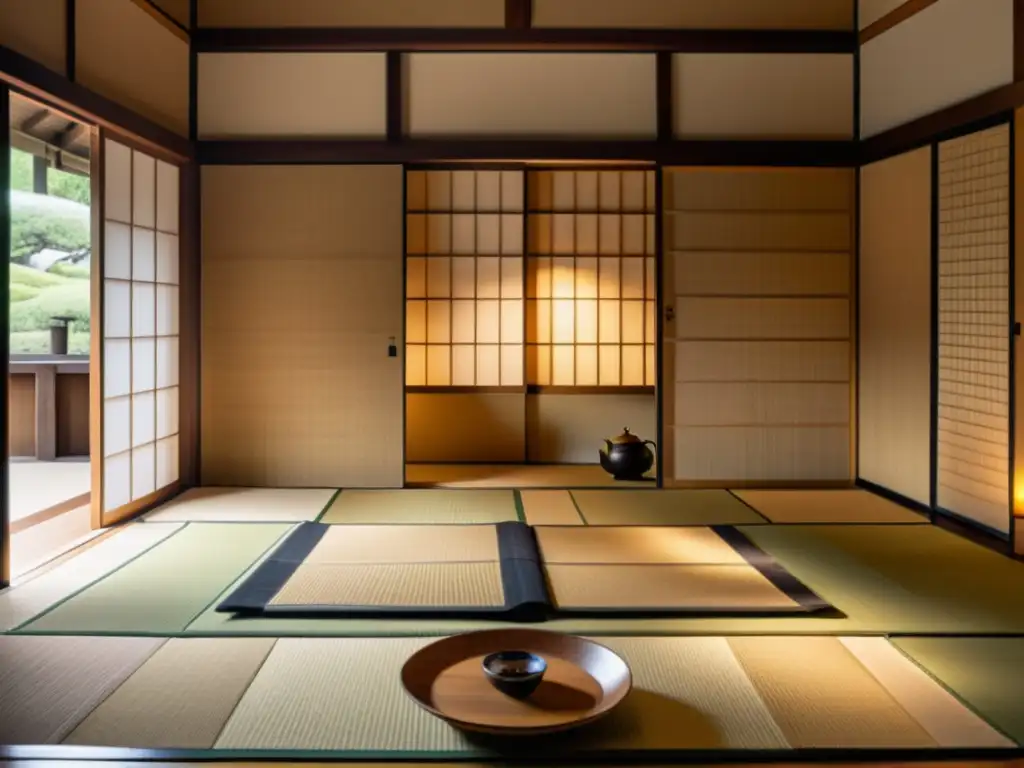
x=945 y=54
x=352 y=13
x=464 y=278
x=35 y=28
x=695 y=14
x=894 y=437
x=611 y=95
x=286 y=94
x=871 y=11
x=1018 y=383
x=738 y=95
x=302 y=294
x=458 y=427
x=590 y=285
x=126 y=55
x=974 y=327
x=140 y=326
x=758 y=275
x=570 y=429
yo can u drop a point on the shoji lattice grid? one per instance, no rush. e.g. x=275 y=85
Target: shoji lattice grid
x=591 y=298
x=140 y=326
x=464 y=278
x=974 y=327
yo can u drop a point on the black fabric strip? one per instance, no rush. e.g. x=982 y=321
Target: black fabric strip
x=271 y=575
x=768 y=567
x=522 y=575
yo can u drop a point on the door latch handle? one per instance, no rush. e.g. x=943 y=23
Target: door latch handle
x=392 y=347
x=670 y=314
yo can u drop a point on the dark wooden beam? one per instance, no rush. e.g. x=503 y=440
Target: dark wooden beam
x=497 y=39
x=727 y=153
x=81 y=103
x=896 y=16
x=193 y=75
x=190 y=297
x=665 y=96
x=990 y=107
x=34 y=120
x=5 y=334
x=70 y=38
x=518 y=14
x=395 y=98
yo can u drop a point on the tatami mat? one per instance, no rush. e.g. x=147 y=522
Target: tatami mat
x=248 y=505
x=664 y=507
x=550 y=508
x=689 y=693
x=418 y=505
x=426 y=585
x=49 y=684
x=180 y=698
x=637 y=587
x=304 y=698
x=828 y=506
x=987 y=672
x=513 y=476
x=635 y=545
x=883 y=578
x=379 y=544
x=163 y=590
x=28 y=599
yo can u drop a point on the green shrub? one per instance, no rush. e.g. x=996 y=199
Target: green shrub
x=68 y=300
x=21 y=292
x=72 y=271
x=34 y=277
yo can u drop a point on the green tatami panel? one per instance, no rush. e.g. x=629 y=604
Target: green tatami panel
x=165 y=588
x=987 y=673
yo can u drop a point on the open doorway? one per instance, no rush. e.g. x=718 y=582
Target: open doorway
x=49 y=311
x=531 y=322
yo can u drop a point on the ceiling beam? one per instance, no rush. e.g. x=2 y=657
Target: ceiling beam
x=213 y=40
x=705 y=153
x=33 y=121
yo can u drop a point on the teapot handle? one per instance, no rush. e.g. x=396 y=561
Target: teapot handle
x=652 y=443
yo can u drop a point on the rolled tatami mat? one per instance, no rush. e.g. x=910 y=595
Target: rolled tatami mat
x=827 y=506
x=380 y=544
x=22 y=602
x=549 y=508
x=49 y=684
x=165 y=588
x=641 y=545
x=422 y=505
x=180 y=698
x=244 y=505
x=663 y=507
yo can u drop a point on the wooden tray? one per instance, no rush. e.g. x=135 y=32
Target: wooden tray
x=584 y=681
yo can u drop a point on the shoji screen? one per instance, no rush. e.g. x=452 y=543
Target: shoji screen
x=591 y=279
x=974 y=327
x=758 y=325
x=140 y=328
x=464 y=278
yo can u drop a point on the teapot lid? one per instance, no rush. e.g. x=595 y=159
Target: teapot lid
x=626 y=437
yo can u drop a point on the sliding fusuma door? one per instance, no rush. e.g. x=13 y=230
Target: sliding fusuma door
x=973 y=419
x=135 y=388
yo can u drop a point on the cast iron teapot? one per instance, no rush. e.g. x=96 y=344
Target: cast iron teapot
x=627 y=456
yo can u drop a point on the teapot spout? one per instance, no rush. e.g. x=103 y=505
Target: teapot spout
x=607 y=446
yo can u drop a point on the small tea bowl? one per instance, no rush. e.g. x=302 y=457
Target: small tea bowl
x=515 y=673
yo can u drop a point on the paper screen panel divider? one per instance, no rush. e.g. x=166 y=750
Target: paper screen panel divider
x=139 y=316
x=591 y=296
x=759 y=357
x=973 y=435
x=464 y=278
